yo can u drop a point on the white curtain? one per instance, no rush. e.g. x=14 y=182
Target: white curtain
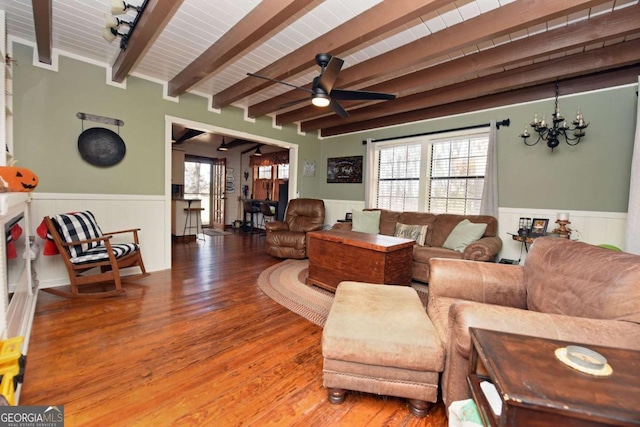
x=632 y=237
x=489 y=202
x=369 y=181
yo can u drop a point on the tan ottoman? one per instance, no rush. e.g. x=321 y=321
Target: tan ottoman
x=379 y=339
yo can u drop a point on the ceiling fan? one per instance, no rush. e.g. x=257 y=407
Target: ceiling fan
x=322 y=92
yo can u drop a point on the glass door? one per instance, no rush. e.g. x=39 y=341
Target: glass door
x=197 y=185
x=218 y=188
x=204 y=179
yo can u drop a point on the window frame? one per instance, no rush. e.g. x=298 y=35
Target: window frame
x=426 y=178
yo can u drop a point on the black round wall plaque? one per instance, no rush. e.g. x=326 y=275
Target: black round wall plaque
x=101 y=146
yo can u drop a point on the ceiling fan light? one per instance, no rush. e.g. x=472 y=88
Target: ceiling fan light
x=109 y=34
x=320 y=100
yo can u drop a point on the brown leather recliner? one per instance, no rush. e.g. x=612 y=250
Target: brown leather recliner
x=568 y=291
x=288 y=238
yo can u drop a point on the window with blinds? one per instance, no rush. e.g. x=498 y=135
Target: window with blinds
x=457 y=175
x=443 y=175
x=399 y=178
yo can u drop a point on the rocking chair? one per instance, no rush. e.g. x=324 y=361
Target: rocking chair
x=83 y=247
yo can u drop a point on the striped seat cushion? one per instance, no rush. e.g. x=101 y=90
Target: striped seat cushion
x=78 y=226
x=99 y=253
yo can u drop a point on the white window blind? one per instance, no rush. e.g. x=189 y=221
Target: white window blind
x=399 y=178
x=457 y=174
x=439 y=175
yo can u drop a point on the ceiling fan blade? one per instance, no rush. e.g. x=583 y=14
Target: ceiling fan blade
x=279 y=81
x=330 y=74
x=337 y=108
x=357 y=95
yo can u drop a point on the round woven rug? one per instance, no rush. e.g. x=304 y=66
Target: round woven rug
x=285 y=284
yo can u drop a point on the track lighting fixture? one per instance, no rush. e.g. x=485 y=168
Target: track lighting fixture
x=119 y=7
x=110 y=31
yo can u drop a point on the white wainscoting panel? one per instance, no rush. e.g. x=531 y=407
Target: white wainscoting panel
x=113 y=213
x=590 y=227
x=336 y=209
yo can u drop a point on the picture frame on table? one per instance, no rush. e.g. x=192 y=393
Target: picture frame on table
x=348 y=216
x=539 y=227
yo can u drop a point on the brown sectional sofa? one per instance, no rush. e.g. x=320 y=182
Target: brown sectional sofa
x=440 y=226
x=566 y=290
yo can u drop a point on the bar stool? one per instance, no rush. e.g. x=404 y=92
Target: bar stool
x=267 y=212
x=252 y=209
x=189 y=211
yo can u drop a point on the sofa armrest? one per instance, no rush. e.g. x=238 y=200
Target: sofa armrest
x=276 y=226
x=484 y=249
x=603 y=332
x=491 y=283
x=465 y=314
x=342 y=226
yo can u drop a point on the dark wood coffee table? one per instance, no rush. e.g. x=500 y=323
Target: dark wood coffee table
x=338 y=255
x=537 y=389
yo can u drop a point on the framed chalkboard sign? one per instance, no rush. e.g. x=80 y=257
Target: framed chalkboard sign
x=344 y=170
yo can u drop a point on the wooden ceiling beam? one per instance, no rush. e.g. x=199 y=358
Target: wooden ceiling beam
x=587 y=32
x=611 y=78
x=502 y=21
x=42 y=25
x=266 y=17
x=382 y=18
x=151 y=23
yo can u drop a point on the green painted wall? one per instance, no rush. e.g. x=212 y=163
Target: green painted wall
x=592 y=176
x=46 y=129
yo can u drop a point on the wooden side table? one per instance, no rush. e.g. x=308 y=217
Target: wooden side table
x=536 y=389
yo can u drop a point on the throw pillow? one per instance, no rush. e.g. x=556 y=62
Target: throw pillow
x=413 y=232
x=79 y=226
x=366 y=222
x=463 y=234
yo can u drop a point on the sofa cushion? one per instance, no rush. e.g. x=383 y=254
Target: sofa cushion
x=366 y=221
x=463 y=234
x=582 y=280
x=413 y=232
x=78 y=226
x=419 y=218
x=388 y=221
x=445 y=223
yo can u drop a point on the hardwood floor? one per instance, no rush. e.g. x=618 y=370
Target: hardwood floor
x=199 y=344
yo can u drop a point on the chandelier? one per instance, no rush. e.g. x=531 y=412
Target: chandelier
x=551 y=132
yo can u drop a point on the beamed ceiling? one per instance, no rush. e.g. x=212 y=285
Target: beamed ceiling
x=438 y=57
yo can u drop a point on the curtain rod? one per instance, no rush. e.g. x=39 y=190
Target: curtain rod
x=504 y=122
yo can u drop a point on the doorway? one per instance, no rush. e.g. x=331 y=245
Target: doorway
x=204 y=179
x=169 y=142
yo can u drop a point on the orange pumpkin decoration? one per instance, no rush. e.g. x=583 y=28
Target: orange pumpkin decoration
x=16 y=179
